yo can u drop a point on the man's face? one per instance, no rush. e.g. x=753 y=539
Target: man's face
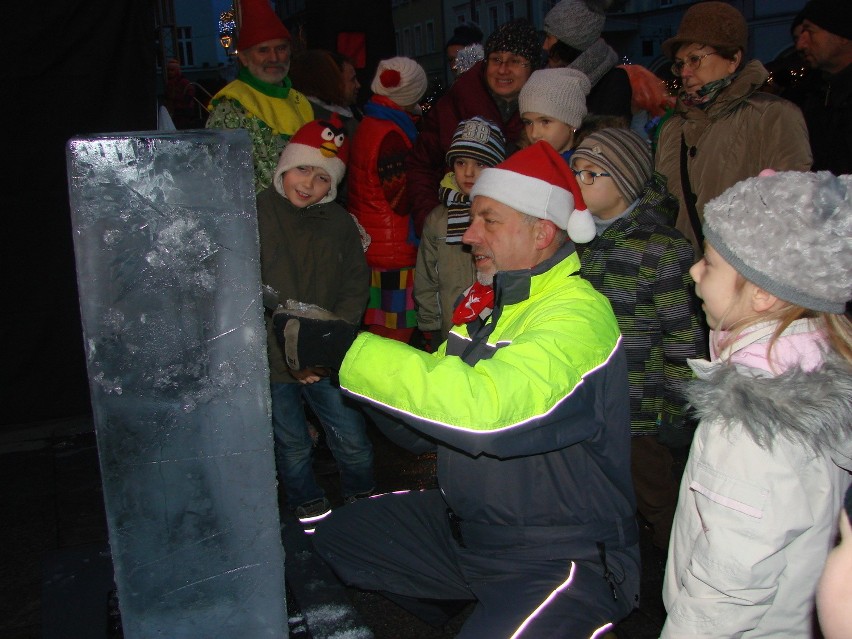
x=501 y=239
x=506 y=73
x=350 y=84
x=822 y=49
x=268 y=61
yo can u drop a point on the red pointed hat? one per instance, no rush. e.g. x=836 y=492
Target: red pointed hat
x=259 y=23
x=537 y=181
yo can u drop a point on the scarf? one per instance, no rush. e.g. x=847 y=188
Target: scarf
x=458 y=208
x=383 y=108
x=478 y=301
x=707 y=93
x=596 y=61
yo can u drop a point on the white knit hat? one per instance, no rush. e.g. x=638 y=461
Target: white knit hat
x=321 y=143
x=556 y=93
x=789 y=233
x=577 y=23
x=538 y=182
x=400 y=79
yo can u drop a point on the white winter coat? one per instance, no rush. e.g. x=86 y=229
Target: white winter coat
x=761 y=493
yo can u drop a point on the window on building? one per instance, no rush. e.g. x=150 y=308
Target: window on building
x=509 y=11
x=184 y=35
x=398 y=42
x=492 y=18
x=418 y=40
x=665 y=3
x=429 y=44
x=407 y=44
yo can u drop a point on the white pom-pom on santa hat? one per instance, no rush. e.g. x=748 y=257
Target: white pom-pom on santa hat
x=538 y=182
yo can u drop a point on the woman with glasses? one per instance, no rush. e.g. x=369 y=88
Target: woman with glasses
x=490 y=90
x=724 y=128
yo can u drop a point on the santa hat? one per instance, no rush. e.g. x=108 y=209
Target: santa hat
x=538 y=182
x=259 y=23
x=322 y=143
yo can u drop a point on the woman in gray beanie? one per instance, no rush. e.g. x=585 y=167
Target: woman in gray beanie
x=771 y=456
x=724 y=128
x=573 y=39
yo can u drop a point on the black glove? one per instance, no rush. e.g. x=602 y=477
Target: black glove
x=312 y=337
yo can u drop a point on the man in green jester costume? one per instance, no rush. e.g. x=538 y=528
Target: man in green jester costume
x=527 y=405
x=261 y=100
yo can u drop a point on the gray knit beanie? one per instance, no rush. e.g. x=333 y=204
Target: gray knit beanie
x=622 y=153
x=556 y=93
x=577 y=23
x=790 y=233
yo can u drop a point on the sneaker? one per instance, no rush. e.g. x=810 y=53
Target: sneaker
x=353 y=498
x=313 y=511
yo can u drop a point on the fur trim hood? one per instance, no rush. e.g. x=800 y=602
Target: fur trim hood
x=812 y=408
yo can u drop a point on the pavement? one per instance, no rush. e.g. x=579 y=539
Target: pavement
x=57 y=573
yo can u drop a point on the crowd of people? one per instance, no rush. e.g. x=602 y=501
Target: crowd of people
x=554 y=299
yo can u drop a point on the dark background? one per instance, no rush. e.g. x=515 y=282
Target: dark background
x=77 y=67
x=82 y=67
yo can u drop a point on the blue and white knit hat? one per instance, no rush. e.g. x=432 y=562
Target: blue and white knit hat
x=479 y=139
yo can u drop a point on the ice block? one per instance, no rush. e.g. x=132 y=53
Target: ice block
x=168 y=271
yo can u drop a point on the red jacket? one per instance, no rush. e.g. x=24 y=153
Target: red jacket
x=377 y=191
x=426 y=164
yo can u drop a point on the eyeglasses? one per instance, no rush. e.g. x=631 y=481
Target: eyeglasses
x=511 y=63
x=692 y=61
x=588 y=177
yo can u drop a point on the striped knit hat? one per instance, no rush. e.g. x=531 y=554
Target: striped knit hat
x=479 y=139
x=623 y=154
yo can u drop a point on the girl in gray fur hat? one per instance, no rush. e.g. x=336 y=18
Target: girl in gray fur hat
x=770 y=460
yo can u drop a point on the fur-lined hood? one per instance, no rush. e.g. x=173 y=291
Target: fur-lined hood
x=812 y=408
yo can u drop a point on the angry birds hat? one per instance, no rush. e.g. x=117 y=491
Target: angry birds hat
x=322 y=143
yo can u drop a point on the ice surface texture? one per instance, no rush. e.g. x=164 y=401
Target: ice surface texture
x=166 y=246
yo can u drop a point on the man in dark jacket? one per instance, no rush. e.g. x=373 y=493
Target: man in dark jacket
x=527 y=407
x=825 y=43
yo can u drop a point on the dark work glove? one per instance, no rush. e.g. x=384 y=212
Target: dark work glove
x=312 y=337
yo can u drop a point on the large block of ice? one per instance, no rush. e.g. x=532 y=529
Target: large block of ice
x=166 y=246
